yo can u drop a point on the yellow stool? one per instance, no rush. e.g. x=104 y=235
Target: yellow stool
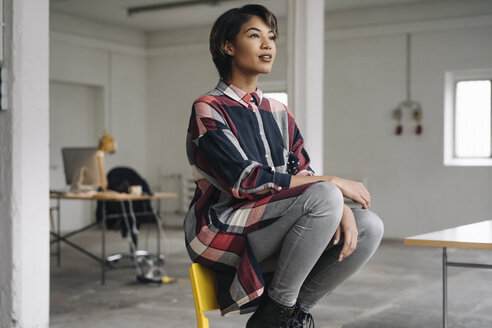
x=204 y=292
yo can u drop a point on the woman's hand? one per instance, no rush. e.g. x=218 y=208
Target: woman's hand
x=353 y=190
x=350 y=233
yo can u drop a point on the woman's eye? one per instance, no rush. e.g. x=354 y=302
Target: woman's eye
x=255 y=35
x=273 y=38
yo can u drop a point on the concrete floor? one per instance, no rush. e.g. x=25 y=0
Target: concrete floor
x=400 y=287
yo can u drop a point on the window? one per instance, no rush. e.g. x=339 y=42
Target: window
x=472 y=124
x=275 y=90
x=280 y=96
x=468 y=118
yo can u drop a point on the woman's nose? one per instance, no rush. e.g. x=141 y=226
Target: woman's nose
x=266 y=43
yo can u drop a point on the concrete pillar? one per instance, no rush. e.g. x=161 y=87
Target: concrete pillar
x=24 y=167
x=305 y=56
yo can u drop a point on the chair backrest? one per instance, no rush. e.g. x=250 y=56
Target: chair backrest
x=203 y=283
x=121 y=177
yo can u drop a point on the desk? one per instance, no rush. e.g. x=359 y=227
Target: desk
x=108 y=196
x=476 y=236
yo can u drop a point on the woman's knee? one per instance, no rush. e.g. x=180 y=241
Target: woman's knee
x=369 y=225
x=325 y=197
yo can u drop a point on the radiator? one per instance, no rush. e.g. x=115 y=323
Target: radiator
x=183 y=186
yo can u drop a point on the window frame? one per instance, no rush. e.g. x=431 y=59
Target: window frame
x=451 y=79
x=275 y=86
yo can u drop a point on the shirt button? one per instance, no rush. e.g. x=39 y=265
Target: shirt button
x=266 y=156
x=279 y=188
x=261 y=133
x=272 y=170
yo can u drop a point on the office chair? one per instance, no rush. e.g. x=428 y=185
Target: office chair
x=203 y=283
x=120 y=179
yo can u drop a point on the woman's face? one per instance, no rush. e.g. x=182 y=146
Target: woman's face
x=254 y=50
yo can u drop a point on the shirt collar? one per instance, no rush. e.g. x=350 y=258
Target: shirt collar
x=239 y=95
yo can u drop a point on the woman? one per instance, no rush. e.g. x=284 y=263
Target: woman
x=259 y=211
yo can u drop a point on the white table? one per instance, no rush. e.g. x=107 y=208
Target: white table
x=475 y=236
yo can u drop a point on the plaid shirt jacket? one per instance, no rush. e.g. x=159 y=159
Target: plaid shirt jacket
x=238 y=144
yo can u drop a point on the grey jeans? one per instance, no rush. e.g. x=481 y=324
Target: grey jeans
x=298 y=247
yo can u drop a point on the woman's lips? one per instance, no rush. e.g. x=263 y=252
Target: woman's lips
x=267 y=58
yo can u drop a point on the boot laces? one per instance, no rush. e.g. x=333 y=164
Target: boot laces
x=292 y=322
x=304 y=319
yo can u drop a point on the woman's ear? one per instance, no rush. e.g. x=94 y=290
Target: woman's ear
x=229 y=48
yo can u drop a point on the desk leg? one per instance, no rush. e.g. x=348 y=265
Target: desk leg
x=132 y=230
x=444 y=287
x=103 y=250
x=58 y=231
x=159 y=227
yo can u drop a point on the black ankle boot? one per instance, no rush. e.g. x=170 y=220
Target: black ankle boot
x=270 y=314
x=305 y=319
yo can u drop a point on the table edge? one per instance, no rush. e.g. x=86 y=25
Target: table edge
x=446 y=243
x=116 y=197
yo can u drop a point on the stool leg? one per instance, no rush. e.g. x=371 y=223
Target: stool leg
x=201 y=319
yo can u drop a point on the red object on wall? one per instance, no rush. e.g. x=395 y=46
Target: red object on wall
x=399 y=130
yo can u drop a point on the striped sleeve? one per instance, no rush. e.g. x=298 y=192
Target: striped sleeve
x=219 y=158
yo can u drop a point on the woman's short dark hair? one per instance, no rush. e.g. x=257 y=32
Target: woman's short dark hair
x=228 y=26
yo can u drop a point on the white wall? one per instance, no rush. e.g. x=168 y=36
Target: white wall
x=120 y=71
x=175 y=79
x=412 y=190
x=96 y=56
x=24 y=134
x=423 y=12
x=76 y=112
x=106 y=34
